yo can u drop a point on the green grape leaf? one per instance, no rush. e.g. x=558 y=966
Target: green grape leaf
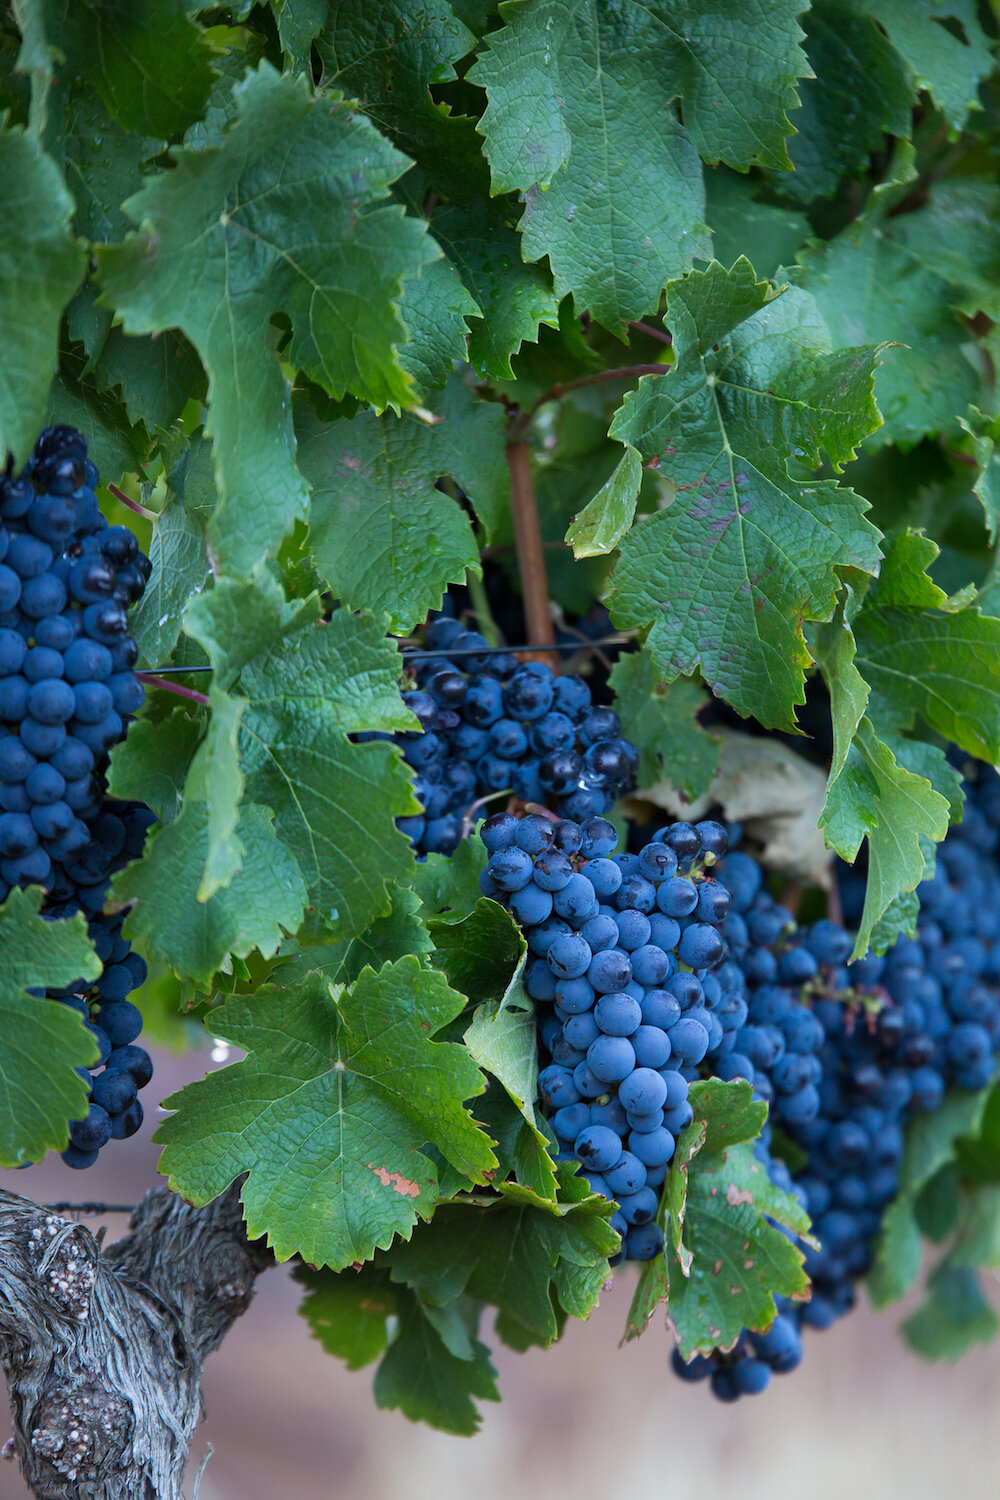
x=263 y=898
x=724 y=1115
x=663 y=723
x=923 y=657
x=43 y=1042
x=102 y=163
x=41 y=266
x=482 y=954
x=116 y=446
x=525 y=1256
x=741 y=225
x=223 y=783
x=869 y=288
x=604 y=520
x=347 y=1310
x=931 y=1142
x=434 y=307
x=513 y=300
x=384 y=535
x=955 y=1315
x=389 y=54
x=156 y=376
x=737 y=1257
x=874 y=796
x=448 y=884
x=503 y=1041
x=580 y=122
x=299 y=24
x=948 y=63
x=725 y=575
x=281 y=215
x=979 y=1154
x=151 y=764
x=307 y=687
x=955 y=235
x=399 y=934
x=861 y=91
x=725 y=1256
x=424 y=1377
x=145 y=58
x=181 y=570
x=984 y=433
x=331 y=1112
x=978 y=1240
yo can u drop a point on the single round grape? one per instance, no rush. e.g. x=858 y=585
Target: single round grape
x=628 y=1176
x=574 y=995
x=51 y=701
x=633 y=930
x=43 y=740
x=580 y=1030
x=133 y=1060
x=531 y=905
x=552 y=871
x=127 y=1121
x=640 y=1207
x=643 y=1091
x=93 y=1131
x=534 y=834
x=644 y=1242
x=609 y=971
x=700 y=946
x=651 y=1045
x=598 y=1147
x=650 y=965
x=121 y=1021
x=511 y=868
x=689 y=1040
x=41 y=596
x=617 y=1015
x=611 y=1058
x=569 y=957
x=556 y=1087
x=677 y=897
x=598 y=838
x=604 y=875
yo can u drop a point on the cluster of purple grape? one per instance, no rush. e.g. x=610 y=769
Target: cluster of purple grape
x=67 y=688
x=67 y=694
x=499 y=727
x=123 y=1068
x=897 y=1031
x=623 y=951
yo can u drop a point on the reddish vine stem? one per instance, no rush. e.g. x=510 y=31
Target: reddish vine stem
x=599 y=377
x=530 y=555
x=172 y=687
x=653 y=333
x=469 y=816
x=140 y=510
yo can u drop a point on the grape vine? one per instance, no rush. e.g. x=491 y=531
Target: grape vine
x=499 y=622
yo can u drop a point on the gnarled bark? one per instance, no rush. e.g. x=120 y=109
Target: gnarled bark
x=103 y=1349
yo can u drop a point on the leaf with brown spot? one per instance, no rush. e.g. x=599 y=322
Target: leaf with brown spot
x=339 y=1115
x=723 y=1113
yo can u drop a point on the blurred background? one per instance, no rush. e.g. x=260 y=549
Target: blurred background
x=861 y=1416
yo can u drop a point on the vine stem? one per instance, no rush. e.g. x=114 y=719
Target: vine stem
x=530 y=554
x=563 y=388
x=140 y=510
x=172 y=687
x=469 y=816
x=653 y=333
